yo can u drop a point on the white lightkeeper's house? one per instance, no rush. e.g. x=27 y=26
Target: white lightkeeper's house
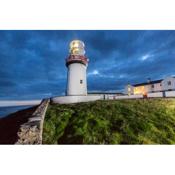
x=162 y=85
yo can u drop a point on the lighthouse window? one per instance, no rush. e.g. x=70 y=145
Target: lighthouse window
x=81 y=81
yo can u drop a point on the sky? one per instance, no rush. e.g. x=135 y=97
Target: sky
x=32 y=63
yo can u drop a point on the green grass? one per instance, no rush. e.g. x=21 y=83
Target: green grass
x=145 y=121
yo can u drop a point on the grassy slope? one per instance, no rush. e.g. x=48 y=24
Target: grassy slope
x=149 y=121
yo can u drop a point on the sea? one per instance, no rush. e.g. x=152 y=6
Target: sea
x=4 y=111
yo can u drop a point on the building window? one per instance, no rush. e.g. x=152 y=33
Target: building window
x=81 y=81
x=152 y=85
x=160 y=84
x=169 y=83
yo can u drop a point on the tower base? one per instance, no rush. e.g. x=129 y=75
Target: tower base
x=75 y=99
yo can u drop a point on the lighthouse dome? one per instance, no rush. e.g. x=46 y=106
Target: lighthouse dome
x=77 y=47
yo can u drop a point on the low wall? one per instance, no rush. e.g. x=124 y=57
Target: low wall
x=110 y=97
x=31 y=132
x=170 y=93
x=155 y=94
x=78 y=99
x=128 y=97
x=149 y=95
x=75 y=99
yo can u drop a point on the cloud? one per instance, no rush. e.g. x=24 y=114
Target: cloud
x=145 y=57
x=94 y=72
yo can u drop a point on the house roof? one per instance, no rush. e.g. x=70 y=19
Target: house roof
x=151 y=82
x=147 y=83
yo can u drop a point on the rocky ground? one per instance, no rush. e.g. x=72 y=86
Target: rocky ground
x=10 y=125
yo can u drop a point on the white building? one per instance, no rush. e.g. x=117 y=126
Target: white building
x=162 y=85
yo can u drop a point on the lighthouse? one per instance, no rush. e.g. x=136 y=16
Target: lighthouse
x=76 y=64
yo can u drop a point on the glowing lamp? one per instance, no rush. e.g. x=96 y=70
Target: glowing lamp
x=77 y=48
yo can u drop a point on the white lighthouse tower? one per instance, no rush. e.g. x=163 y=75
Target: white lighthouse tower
x=76 y=77
x=77 y=64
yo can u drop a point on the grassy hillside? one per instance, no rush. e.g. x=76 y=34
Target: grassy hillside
x=145 y=121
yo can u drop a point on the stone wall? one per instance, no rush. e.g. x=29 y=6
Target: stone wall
x=31 y=132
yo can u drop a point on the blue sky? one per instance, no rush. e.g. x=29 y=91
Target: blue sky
x=32 y=63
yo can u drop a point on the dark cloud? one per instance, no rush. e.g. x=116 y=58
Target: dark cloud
x=33 y=62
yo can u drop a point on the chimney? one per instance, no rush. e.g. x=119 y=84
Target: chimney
x=148 y=80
